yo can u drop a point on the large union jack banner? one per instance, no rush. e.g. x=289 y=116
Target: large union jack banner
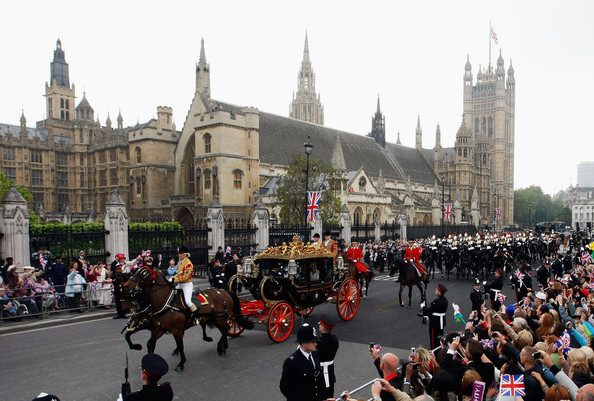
x=497 y=213
x=313 y=205
x=512 y=385
x=447 y=211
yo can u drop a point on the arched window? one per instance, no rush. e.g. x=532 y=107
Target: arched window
x=362 y=184
x=138 y=154
x=138 y=186
x=191 y=178
x=357 y=216
x=207 y=137
x=477 y=127
x=490 y=127
x=207 y=179
x=465 y=152
x=237 y=178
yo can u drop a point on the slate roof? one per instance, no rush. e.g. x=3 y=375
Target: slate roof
x=281 y=137
x=15 y=130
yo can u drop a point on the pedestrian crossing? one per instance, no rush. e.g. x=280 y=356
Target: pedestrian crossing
x=385 y=277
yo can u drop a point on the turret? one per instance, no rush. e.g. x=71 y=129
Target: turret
x=108 y=122
x=203 y=73
x=378 y=126
x=120 y=121
x=419 y=135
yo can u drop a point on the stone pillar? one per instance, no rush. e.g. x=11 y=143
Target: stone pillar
x=216 y=222
x=436 y=211
x=116 y=228
x=376 y=230
x=262 y=223
x=14 y=225
x=345 y=223
x=457 y=212
x=402 y=222
x=317 y=226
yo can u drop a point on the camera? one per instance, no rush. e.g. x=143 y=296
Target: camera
x=442 y=339
x=371 y=345
x=412 y=350
x=537 y=355
x=415 y=366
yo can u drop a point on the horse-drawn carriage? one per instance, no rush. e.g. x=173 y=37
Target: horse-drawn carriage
x=293 y=279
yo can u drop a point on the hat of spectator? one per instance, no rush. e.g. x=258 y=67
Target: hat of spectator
x=442 y=288
x=316 y=235
x=509 y=311
x=46 y=397
x=498 y=271
x=154 y=366
x=327 y=321
x=120 y=256
x=541 y=295
x=183 y=249
x=307 y=334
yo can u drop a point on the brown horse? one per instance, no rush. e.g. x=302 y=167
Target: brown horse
x=358 y=276
x=408 y=277
x=162 y=310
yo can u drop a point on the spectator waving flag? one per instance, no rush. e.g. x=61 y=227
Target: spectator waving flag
x=146 y=253
x=512 y=385
x=563 y=342
x=501 y=297
x=313 y=205
x=458 y=318
x=487 y=343
x=519 y=275
x=586 y=257
x=42 y=261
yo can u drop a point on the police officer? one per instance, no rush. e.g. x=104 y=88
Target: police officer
x=476 y=297
x=494 y=288
x=302 y=378
x=543 y=274
x=436 y=313
x=557 y=266
x=327 y=348
x=525 y=283
x=153 y=368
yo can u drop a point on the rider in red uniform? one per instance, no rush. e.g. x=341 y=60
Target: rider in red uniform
x=413 y=254
x=355 y=253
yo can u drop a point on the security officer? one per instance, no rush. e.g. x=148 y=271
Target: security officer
x=302 y=379
x=543 y=274
x=327 y=348
x=494 y=288
x=526 y=282
x=153 y=368
x=476 y=297
x=436 y=313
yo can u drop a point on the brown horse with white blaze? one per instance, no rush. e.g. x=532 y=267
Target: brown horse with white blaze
x=163 y=311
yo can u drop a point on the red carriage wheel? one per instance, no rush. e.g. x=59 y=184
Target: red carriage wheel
x=347 y=301
x=280 y=322
x=234 y=328
x=304 y=311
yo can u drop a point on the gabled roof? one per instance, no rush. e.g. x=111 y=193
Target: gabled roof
x=15 y=130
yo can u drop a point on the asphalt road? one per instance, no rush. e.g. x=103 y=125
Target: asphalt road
x=78 y=359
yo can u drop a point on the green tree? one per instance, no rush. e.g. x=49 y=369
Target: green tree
x=291 y=190
x=532 y=206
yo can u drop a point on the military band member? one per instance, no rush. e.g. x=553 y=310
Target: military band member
x=436 y=313
x=153 y=368
x=327 y=348
x=476 y=297
x=301 y=378
x=494 y=288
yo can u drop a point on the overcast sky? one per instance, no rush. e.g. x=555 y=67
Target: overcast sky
x=136 y=55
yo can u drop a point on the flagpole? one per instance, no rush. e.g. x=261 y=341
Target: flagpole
x=490 y=29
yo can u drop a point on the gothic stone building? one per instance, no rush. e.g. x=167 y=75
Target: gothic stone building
x=230 y=154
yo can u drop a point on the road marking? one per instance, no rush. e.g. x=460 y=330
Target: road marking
x=386 y=277
x=55 y=326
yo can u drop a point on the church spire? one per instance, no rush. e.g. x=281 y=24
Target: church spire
x=203 y=72
x=306 y=104
x=338 y=162
x=378 y=126
x=59 y=67
x=419 y=134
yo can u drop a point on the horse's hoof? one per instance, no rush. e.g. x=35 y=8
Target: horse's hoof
x=137 y=347
x=364 y=296
x=179 y=368
x=207 y=339
x=401 y=304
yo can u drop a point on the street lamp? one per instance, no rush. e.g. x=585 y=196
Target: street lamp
x=529 y=214
x=308 y=148
x=442 y=203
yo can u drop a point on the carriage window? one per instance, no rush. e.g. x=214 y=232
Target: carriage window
x=314 y=271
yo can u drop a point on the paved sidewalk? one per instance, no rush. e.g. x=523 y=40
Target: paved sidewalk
x=58 y=318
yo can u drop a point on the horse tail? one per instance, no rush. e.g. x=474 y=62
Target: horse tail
x=242 y=321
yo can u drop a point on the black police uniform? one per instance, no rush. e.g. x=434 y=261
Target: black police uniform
x=327 y=348
x=154 y=367
x=437 y=318
x=525 y=286
x=300 y=379
x=543 y=273
x=476 y=297
x=557 y=267
x=495 y=287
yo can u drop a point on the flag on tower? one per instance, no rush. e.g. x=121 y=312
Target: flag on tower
x=447 y=211
x=313 y=205
x=494 y=36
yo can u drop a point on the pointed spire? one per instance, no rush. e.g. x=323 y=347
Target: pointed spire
x=398 y=140
x=438 y=137
x=338 y=162
x=378 y=104
x=202 y=60
x=306 y=50
x=120 y=120
x=108 y=121
x=203 y=72
x=23 y=119
x=419 y=134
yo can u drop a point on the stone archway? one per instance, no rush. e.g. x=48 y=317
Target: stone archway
x=185 y=218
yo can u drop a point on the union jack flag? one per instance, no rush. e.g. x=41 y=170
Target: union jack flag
x=494 y=36
x=447 y=211
x=586 y=257
x=519 y=275
x=42 y=261
x=501 y=297
x=487 y=343
x=146 y=253
x=563 y=342
x=512 y=385
x=313 y=205
x=497 y=213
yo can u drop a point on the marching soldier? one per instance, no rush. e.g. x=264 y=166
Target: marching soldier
x=476 y=297
x=327 y=348
x=436 y=313
x=494 y=288
x=301 y=378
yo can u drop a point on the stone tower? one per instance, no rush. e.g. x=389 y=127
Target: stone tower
x=489 y=115
x=419 y=134
x=378 y=126
x=59 y=94
x=306 y=105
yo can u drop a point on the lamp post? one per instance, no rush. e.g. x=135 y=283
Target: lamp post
x=442 y=203
x=308 y=148
x=529 y=214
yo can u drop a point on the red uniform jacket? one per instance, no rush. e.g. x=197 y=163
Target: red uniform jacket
x=414 y=253
x=356 y=254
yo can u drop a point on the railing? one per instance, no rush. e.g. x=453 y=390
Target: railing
x=277 y=234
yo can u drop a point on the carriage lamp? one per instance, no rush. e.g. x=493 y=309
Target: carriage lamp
x=248 y=265
x=340 y=262
x=292 y=267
